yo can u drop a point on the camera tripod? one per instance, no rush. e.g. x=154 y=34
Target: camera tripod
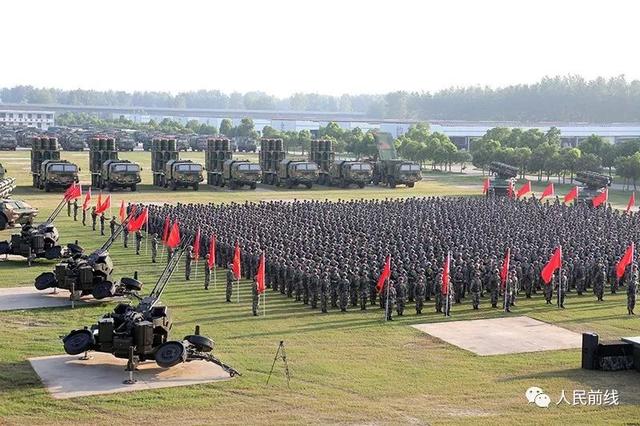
x=281 y=353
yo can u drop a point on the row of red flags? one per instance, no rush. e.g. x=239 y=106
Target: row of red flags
x=549 y=191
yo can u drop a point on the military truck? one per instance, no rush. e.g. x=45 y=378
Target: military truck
x=291 y=173
x=238 y=173
x=72 y=141
x=594 y=184
x=344 y=173
x=503 y=180
x=182 y=142
x=56 y=174
x=125 y=141
x=119 y=174
x=25 y=136
x=107 y=170
x=198 y=142
x=244 y=144
x=8 y=141
x=396 y=172
x=181 y=174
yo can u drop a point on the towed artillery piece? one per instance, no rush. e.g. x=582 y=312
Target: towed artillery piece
x=594 y=184
x=503 y=180
x=83 y=274
x=141 y=333
x=39 y=241
x=7 y=184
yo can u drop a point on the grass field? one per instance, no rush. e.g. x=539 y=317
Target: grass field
x=346 y=367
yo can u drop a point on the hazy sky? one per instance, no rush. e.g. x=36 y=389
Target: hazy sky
x=327 y=46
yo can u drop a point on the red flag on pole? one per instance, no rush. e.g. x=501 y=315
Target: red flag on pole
x=504 y=273
x=99 y=203
x=123 y=212
x=260 y=276
x=104 y=206
x=445 y=276
x=212 y=252
x=137 y=223
x=548 y=192
x=384 y=275
x=87 y=200
x=525 y=189
x=73 y=192
x=572 y=195
x=632 y=201
x=174 y=236
x=485 y=186
x=165 y=229
x=236 y=262
x=196 y=245
x=601 y=198
x=626 y=260
x=554 y=263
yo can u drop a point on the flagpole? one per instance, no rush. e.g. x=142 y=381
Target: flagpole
x=238 y=288
x=214 y=276
x=386 y=309
x=146 y=240
x=560 y=277
x=196 y=269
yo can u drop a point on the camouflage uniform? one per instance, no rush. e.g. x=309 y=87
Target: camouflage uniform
x=401 y=296
x=154 y=248
x=437 y=291
x=207 y=272
x=419 y=293
x=548 y=292
x=324 y=293
x=94 y=218
x=632 y=289
x=112 y=225
x=102 y=220
x=187 y=263
x=125 y=237
x=84 y=217
x=230 y=280
x=600 y=282
x=75 y=210
x=343 y=287
x=475 y=288
x=390 y=296
x=562 y=287
x=255 y=298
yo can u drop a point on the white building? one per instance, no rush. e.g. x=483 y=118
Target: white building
x=39 y=119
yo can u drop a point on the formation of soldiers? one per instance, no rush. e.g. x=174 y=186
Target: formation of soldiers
x=330 y=254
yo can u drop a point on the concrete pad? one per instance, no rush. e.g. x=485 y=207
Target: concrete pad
x=501 y=336
x=66 y=376
x=14 y=298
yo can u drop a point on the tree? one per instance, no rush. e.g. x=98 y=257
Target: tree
x=226 y=127
x=589 y=162
x=521 y=156
x=570 y=158
x=246 y=129
x=629 y=168
x=594 y=144
x=270 y=132
x=483 y=151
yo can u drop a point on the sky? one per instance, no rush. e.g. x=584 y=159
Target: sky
x=329 y=47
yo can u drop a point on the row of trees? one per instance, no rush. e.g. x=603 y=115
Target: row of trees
x=421 y=145
x=561 y=98
x=535 y=152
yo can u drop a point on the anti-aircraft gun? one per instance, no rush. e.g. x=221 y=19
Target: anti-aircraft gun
x=141 y=333
x=503 y=179
x=39 y=241
x=594 y=184
x=84 y=274
x=7 y=184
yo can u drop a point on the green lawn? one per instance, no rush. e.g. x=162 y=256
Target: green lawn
x=347 y=367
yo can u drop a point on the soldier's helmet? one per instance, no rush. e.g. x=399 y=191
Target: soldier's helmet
x=155 y=235
x=207 y=256
x=189 y=247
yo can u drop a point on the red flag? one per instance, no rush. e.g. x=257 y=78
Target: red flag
x=445 y=276
x=73 y=192
x=102 y=207
x=87 y=200
x=174 y=236
x=165 y=230
x=601 y=198
x=212 y=252
x=626 y=260
x=260 y=276
x=196 y=245
x=572 y=195
x=99 y=203
x=525 y=189
x=384 y=275
x=548 y=192
x=137 y=223
x=632 y=201
x=122 y=212
x=504 y=274
x=485 y=186
x=236 y=262
x=554 y=263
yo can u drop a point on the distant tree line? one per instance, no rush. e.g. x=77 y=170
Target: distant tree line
x=541 y=154
x=561 y=98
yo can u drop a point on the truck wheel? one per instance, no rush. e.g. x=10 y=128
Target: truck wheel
x=110 y=187
x=253 y=185
x=375 y=181
x=360 y=185
x=47 y=187
x=289 y=184
x=308 y=185
x=3 y=222
x=196 y=186
x=392 y=182
x=411 y=184
x=134 y=187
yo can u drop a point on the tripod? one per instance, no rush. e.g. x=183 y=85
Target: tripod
x=280 y=353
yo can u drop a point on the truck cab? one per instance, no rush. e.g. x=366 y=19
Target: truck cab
x=182 y=174
x=291 y=173
x=394 y=172
x=57 y=174
x=237 y=173
x=120 y=174
x=344 y=173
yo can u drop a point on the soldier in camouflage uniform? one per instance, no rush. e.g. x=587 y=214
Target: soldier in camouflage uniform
x=343 y=290
x=102 y=220
x=188 y=259
x=419 y=293
x=401 y=295
x=230 y=280
x=475 y=288
x=548 y=292
x=508 y=291
x=458 y=284
x=112 y=225
x=562 y=287
x=314 y=288
x=69 y=208
x=324 y=293
x=363 y=289
x=75 y=210
x=437 y=290
x=138 y=240
x=494 y=287
x=94 y=218
x=255 y=297
x=600 y=282
x=207 y=272
x=632 y=289
x=389 y=296
x=154 y=248
x=125 y=237
x=84 y=217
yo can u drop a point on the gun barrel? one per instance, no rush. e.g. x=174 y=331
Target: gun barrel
x=232 y=371
x=161 y=284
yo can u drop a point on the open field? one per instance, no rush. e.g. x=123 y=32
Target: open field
x=346 y=367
